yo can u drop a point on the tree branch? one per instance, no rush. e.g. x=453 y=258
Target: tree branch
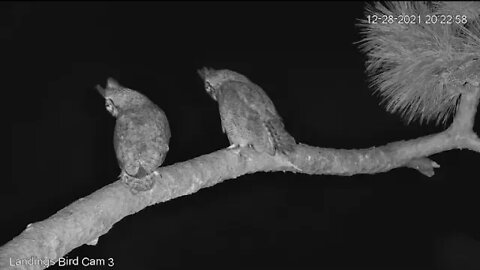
x=90 y=217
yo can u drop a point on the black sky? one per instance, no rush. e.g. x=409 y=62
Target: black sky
x=302 y=55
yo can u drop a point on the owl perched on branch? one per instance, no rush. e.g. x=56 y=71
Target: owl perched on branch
x=247 y=114
x=141 y=134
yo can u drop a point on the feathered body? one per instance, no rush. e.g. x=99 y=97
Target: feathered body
x=248 y=116
x=142 y=132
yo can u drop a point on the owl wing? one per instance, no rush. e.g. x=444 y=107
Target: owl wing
x=124 y=146
x=116 y=144
x=155 y=135
x=258 y=101
x=163 y=133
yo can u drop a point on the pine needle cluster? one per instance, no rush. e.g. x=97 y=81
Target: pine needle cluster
x=414 y=66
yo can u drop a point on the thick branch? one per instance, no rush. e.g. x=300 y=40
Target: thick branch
x=88 y=218
x=412 y=153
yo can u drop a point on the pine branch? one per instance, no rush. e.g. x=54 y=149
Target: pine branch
x=85 y=220
x=412 y=66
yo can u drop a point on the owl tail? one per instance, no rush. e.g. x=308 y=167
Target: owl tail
x=282 y=141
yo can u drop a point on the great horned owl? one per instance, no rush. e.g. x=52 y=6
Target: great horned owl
x=247 y=114
x=141 y=134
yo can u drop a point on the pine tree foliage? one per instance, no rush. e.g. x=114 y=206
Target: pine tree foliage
x=415 y=67
x=469 y=8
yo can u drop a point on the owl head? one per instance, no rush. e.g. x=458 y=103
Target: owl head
x=119 y=98
x=215 y=78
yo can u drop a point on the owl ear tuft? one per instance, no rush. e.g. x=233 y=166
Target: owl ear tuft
x=100 y=90
x=112 y=83
x=201 y=73
x=205 y=72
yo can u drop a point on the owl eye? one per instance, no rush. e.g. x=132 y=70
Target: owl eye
x=111 y=107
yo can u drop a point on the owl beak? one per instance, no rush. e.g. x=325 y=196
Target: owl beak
x=211 y=91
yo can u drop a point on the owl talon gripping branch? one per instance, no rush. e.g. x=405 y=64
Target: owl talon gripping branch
x=141 y=134
x=139 y=184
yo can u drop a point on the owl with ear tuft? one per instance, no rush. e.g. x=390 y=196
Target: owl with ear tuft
x=248 y=116
x=141 y=135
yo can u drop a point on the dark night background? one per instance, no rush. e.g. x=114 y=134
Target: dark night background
x=302 y=55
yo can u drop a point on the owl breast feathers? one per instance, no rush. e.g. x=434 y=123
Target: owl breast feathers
x=248 y=116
